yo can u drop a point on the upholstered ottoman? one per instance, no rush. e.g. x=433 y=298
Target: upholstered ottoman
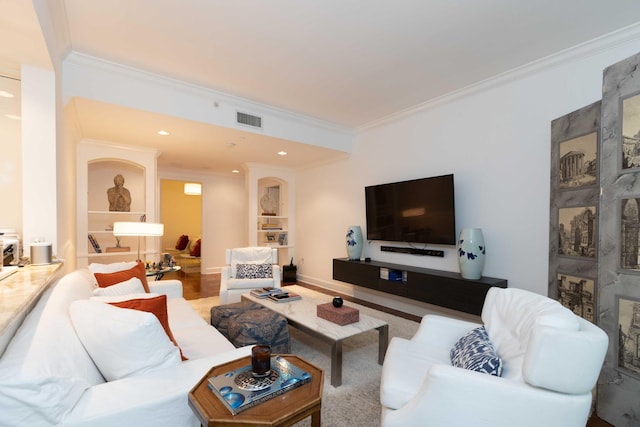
x=261 y=326
x=220 y=314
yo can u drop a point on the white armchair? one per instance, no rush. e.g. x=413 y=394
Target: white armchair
x=235 y=281
x=551 y=360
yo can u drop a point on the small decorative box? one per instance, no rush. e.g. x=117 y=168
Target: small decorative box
x=342 y=316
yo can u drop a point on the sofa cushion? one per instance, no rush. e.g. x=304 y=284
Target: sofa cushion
x=254 y=271
x=196 y=337
x=128 y=287
x=246 y=284
x=122 y=342
x=45 y=368
x=475 y=352
x=109 y=279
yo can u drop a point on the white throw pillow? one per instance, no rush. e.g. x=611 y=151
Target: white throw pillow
x=252 y=255
x=120 y=298
x=122 y=342
x=111 y=268
x=131 y=286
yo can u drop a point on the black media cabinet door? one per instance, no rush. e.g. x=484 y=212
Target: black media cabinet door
x=393 y=287
x=461 y=295
x=360 y=273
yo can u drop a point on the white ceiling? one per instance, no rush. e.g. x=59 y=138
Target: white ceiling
x=193 y=146
x=349 y=62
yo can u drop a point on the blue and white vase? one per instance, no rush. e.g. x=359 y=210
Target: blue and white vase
x=471 y=253
x=354 y=242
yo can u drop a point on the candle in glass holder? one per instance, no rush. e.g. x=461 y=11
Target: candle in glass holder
x=261 y=359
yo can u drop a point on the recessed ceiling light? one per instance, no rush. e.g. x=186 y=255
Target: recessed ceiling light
x=235 y=171
x=282 y=153
x=5 y=94
x=163 y=132
x=12 y=117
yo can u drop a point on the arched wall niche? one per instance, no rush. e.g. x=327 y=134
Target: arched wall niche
x=101 y=176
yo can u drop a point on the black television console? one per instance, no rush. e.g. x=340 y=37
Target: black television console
x=442 y=288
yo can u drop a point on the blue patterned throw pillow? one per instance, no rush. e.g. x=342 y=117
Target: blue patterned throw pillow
x=475 y=352
x=254 y=271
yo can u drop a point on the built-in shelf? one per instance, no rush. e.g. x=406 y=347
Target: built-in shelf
x=442 y=288
x=115 y=213
x=98 y=164
x=112 y=254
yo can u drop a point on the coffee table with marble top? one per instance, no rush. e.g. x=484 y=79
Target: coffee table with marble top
x=301 y=314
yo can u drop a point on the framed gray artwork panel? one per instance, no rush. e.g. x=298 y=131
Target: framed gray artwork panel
x=579 y=162
x=577 y=231
x=617 y=254
x=629 y=335
x=630 y=233
x=575 y=177
x=630 y=133
x=578 y=294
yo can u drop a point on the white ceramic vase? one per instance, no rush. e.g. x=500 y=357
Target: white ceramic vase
x=354 y=242
x=471 y=253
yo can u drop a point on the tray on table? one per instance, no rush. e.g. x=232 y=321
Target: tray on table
x=239 y=389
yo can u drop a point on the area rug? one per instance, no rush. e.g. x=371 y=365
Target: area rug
x=357 y=401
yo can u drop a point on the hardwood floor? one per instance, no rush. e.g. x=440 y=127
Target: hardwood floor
x=201 y=286
x=195 y=285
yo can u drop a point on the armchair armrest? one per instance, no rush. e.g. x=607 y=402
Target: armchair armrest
x=277 y=279
x=170 y=288
x=489 y=401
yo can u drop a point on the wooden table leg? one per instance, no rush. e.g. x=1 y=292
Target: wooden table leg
x=315 y=418
x=383 y=342
x=336 y=363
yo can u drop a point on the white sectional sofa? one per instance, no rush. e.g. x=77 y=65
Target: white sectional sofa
x=47 y=377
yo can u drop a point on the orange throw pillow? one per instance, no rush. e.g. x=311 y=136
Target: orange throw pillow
x=195 y=250
x=108 y=279
x=182 y=242
x=157 y=306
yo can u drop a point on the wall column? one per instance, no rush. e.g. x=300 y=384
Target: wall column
x=39 y=183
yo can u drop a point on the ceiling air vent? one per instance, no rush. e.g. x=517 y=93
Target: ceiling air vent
x=249 y=120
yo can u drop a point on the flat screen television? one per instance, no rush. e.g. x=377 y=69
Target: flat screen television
x=415 y=211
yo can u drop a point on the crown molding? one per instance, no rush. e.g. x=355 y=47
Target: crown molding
x=629 y=34
x=107 y=146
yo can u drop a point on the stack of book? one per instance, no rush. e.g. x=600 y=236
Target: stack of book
x=281 y=297
x=271 y=227
x=265 y=292
x=94 y=243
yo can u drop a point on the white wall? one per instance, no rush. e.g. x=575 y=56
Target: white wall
x=493 y=137
x=223 y=219
x=39 y=157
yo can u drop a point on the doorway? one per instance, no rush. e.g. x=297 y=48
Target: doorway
x=181 y=214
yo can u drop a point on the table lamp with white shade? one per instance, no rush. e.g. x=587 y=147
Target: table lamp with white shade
x=139 y=229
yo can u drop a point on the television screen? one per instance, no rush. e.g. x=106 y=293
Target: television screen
x=416 y=211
